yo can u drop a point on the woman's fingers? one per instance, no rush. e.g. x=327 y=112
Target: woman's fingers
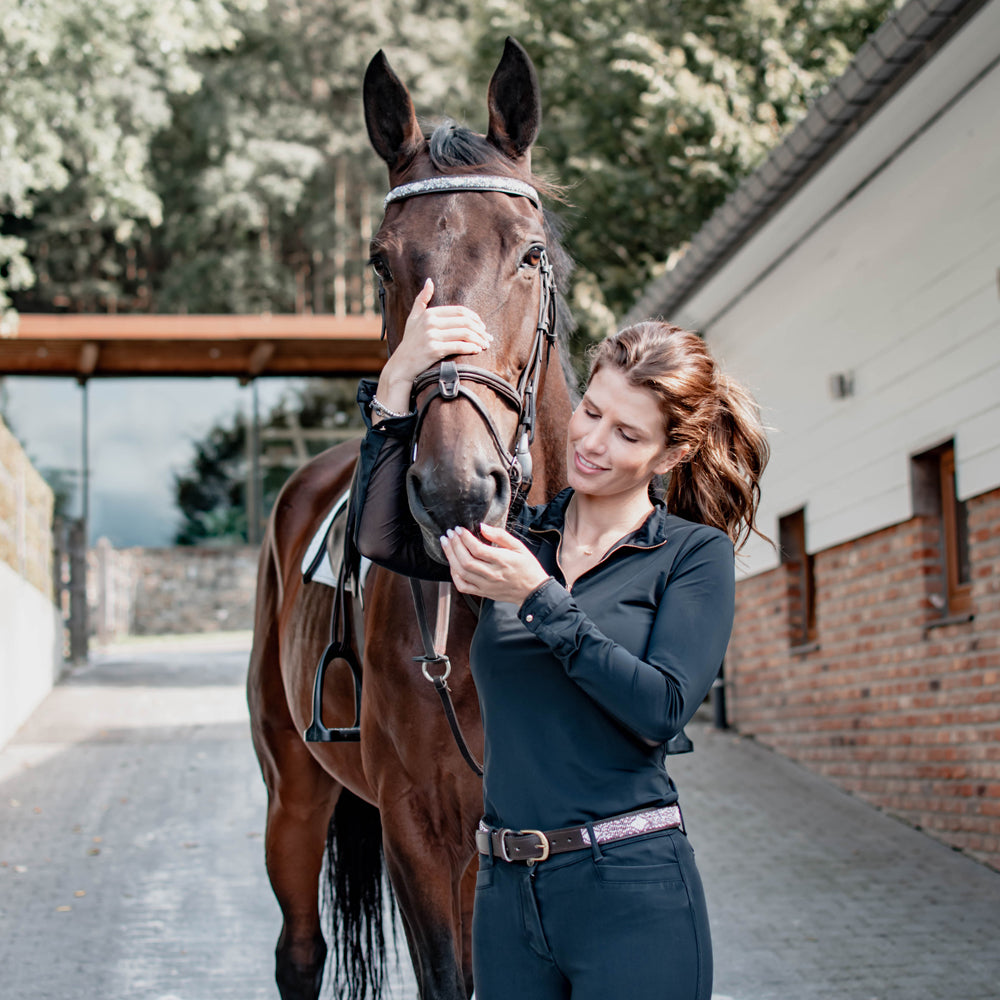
x=501 y=538
x=425 y=294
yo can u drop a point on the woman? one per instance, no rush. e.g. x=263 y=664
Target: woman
x=606 y=616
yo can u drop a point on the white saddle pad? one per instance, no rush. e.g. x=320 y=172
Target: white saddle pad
x=324 y=571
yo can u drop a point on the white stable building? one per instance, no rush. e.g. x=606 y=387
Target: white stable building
x=853 y=283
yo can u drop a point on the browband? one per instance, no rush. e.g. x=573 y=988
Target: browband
x=463 y=182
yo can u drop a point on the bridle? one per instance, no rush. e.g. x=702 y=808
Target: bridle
x=449 y=381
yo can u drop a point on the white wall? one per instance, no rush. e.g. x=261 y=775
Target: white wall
x=30 y=650
x=896 y=282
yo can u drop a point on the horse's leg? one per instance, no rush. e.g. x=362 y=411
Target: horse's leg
x=467 y=896
x=301 y=798
x=425 y=878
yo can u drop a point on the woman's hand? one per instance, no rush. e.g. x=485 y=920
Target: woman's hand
x=502 y=571
x=431 y=334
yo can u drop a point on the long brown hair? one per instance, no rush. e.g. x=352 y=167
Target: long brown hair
x=718 y=481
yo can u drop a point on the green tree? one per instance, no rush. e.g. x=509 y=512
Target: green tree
x=180 y=157
x=655 y=109
x=86 y=86
x=268 y=182
x=211 y=493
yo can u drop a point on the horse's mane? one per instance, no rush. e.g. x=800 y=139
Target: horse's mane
x=453 y=146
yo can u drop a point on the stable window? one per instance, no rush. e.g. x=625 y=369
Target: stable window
x=934 y=495
x=801 y=582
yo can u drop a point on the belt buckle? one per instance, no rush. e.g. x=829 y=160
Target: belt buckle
x=545 y=845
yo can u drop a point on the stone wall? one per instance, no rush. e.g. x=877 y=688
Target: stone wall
x=895 y=702
x=26 y=504
x=158 y=591
x=30 y=625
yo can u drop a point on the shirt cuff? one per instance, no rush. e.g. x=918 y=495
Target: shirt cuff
x=543 y=613
x=399 y=427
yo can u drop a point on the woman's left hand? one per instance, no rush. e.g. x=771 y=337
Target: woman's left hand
x=502 y=571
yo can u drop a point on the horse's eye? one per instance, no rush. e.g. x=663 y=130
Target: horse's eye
x=380 y=267
x=533 y=257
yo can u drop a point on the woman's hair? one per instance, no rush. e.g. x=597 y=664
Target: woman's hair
x=718 y=481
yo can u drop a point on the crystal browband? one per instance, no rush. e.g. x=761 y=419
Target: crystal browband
x=464 y=182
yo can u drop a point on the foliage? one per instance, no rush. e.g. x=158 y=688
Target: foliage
x=181 y=157
x=211 y=493
x=655 y=109
x=210 y=156
x=87 y=86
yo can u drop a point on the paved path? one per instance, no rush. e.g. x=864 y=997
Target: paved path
x=131 y=858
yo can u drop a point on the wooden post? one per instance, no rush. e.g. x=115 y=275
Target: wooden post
x=254 y=499
x=78 y=624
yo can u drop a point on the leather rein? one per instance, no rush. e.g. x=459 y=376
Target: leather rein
x=449 y=381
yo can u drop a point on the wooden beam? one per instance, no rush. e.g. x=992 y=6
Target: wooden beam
x=244 y=347
x=89 y=354
x=259 y=357
x=142 y=326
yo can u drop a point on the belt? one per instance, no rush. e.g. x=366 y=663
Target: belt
x=537 y=845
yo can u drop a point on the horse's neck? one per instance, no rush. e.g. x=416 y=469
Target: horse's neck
x=555 y=406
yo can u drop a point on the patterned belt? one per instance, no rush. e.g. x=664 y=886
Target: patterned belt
x=537 y=845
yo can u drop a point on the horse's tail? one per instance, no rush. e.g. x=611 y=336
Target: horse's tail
x=357 y=896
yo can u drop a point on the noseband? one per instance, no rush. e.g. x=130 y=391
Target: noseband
x=450 y=381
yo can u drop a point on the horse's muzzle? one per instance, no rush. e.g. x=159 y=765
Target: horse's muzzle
x=440 y=502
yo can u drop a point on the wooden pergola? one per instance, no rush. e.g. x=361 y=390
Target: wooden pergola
x=244 y=347
x=87 y=347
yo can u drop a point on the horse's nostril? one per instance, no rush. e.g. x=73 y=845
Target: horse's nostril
x=439 y=502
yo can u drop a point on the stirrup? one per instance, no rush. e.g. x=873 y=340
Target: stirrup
x=317 y=732
x=339 y=647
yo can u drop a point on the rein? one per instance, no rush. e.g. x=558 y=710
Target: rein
x=449 y=381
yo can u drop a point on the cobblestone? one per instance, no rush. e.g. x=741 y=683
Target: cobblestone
x=131 y=857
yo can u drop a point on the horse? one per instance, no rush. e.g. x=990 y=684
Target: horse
x=401 y=798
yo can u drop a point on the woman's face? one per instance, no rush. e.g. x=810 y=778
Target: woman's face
x=615 y=443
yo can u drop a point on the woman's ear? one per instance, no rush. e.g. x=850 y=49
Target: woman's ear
x=671 y=457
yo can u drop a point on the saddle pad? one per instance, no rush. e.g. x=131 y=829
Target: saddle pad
x=318 y=565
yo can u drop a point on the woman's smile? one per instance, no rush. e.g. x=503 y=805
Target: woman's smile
x=585 y=465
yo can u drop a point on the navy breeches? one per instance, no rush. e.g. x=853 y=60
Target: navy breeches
x=626 y=919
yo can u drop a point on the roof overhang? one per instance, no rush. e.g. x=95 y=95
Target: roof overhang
x=888 y=60
x=244 y=347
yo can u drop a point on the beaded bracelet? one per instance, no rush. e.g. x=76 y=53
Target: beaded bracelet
x=384 y=412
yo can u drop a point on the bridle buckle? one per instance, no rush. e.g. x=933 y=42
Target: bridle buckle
x=448 y=380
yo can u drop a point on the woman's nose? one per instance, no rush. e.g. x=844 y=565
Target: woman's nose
x=595 y=440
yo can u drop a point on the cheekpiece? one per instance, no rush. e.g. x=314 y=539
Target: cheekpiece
x=463 y=182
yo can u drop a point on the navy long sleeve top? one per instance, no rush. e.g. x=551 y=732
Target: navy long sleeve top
x=579 y=689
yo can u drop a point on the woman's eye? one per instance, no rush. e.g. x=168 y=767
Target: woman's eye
x=381 y=268
x=632 y=440
x=533 y=257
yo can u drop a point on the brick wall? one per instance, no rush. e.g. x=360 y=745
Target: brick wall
x=893 y=703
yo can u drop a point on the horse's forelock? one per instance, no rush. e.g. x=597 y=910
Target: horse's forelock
x=452 y=146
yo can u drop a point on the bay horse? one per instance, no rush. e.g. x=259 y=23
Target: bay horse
x=403 y=792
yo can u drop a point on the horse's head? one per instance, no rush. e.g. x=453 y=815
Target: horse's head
x=462 y=211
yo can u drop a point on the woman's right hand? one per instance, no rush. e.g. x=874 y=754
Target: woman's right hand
x=431 y=334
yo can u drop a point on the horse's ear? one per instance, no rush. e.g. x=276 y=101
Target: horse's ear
x=515 y=103
x=389 y=115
